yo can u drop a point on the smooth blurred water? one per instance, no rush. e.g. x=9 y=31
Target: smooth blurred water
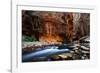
x=50 y=50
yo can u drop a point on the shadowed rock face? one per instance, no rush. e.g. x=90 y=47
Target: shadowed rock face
x=81 y=24
x=55 y=26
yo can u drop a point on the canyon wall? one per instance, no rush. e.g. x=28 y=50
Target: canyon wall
x=55 y=26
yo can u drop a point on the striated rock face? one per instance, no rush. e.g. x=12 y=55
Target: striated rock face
x=55 y=27
x=69 y=26
x=81 y=25
x=26 y=24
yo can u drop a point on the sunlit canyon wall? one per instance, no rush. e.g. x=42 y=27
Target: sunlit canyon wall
x=55 y=27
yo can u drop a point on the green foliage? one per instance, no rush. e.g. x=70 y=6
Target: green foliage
x=28 y=39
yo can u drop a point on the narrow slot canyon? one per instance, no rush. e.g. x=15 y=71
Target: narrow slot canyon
x=61 y=29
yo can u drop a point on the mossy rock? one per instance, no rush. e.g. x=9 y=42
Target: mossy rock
x=28 y=39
